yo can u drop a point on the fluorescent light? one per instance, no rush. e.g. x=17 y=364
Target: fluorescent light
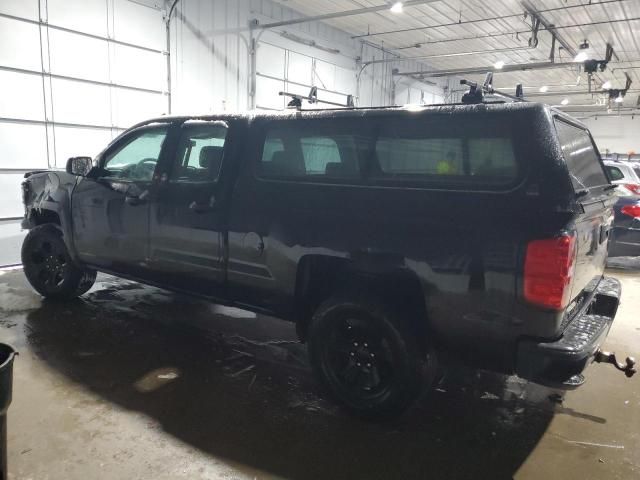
x=544 y=89
x=619 y=98
x=498 y=65
x=396 y=7
x=581 y=57
x=565 y=101
x=606 y=85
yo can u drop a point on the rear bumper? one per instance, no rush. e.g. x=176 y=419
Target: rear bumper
x=555 y=363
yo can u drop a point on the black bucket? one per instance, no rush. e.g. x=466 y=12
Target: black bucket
x=7 y=354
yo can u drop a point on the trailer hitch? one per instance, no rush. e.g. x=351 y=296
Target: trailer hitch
x=606 y=357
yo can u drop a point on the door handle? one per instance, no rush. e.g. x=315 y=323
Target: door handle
x=134 y=200
x=203 y=207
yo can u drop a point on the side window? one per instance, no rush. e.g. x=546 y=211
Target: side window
x=492 y=158
x=317 y=153
x=419 y=156
x=614 y=173
x=136 y=159
x=444 y=158
x=272 y=145
x=200 y=152
x=581 y=158
x=310 y=150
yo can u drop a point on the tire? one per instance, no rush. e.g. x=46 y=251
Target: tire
x=365 y=356
x=49 y=267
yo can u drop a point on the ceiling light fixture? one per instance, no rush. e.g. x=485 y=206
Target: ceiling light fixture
x=583 y=54
x=619 y=98
x=396 y=7
x=581 y=57
x=606 y=85
x=565 y=101
x=498 y=65
x=304 y=41
x=544 y=89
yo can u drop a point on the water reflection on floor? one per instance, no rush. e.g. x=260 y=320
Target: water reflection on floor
x=231 y=393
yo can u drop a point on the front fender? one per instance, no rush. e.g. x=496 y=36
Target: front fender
x=47 y=199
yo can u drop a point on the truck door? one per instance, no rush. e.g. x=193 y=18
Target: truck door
x=110 y=207
x=187 y=214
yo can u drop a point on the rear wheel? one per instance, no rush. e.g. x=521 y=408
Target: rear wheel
x=49 y=268
x=366 y=357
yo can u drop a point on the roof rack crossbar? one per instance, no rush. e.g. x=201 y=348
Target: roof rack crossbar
x=476 y=92
x=296 y=99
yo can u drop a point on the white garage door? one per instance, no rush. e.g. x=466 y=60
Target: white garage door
x=73 y=75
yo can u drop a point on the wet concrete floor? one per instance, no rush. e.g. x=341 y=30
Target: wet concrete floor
x=131 y=382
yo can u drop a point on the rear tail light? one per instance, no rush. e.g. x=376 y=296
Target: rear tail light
x=634 y=187
x=548 y=271
x=631 y=210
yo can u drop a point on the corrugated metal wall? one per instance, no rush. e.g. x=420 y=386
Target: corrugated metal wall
x=210 y=60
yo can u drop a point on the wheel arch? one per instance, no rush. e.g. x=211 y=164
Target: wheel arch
x=48 y=201
x=321 y=276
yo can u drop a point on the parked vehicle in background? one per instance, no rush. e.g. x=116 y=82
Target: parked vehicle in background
x=622 y=157
x=624 y=239
x=624 y=173
x=392 y=237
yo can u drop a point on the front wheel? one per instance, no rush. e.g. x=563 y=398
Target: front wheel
x=49 y=268
x=365 y=355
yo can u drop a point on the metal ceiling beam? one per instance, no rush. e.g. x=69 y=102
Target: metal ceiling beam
x=572 y=92
x=510 y=33
x=477 y=70
x=502 y=17
x=528 y=6
x=446 y=55
x=461 y=39
x=344 y=13
x=429 y=27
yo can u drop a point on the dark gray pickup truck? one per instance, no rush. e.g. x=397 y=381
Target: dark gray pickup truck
x=392 y=237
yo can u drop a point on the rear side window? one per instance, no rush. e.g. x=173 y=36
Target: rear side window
x=420 y=156
x=492 y=158
x=318 y=152
x=614 y=173
x=469 y=152
x=305 y=149
x=581 y=157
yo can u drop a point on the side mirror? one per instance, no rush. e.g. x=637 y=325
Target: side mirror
x=79 y=166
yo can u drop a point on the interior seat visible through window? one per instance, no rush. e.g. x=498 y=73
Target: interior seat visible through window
x=210 y=159
x=200 y=152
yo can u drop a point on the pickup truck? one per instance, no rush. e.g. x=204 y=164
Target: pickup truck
x=393 y=237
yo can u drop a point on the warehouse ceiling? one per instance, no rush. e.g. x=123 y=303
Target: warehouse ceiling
x=499 y=31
